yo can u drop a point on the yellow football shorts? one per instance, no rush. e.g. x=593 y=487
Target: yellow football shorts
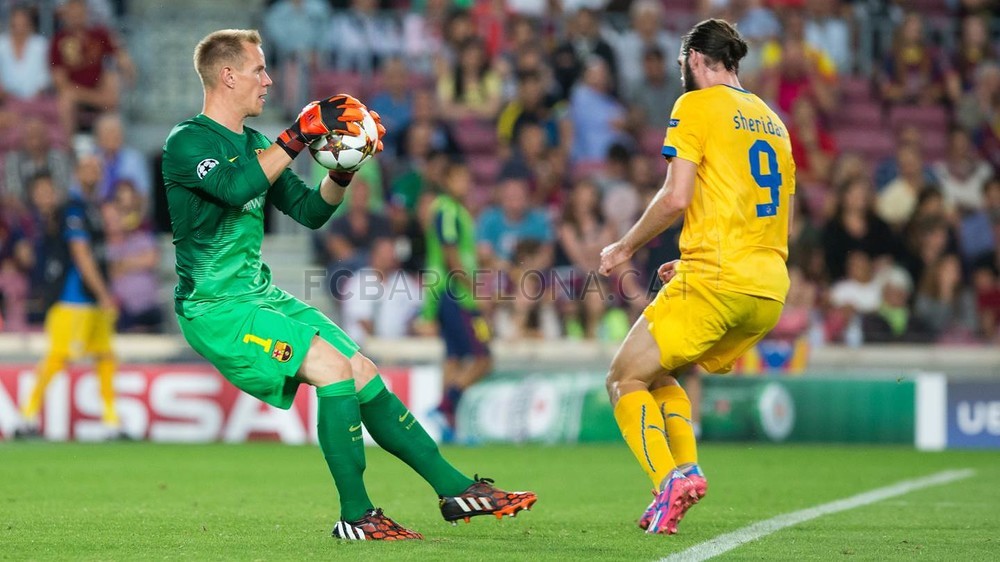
x=693 y=323
x=77 y=330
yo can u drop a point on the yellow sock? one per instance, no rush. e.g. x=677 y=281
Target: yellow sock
x=105 y=380
x=642 y=427
x=47 y=368
x=675 y=408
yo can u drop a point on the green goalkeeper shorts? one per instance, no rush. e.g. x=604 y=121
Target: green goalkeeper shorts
x=259 y=345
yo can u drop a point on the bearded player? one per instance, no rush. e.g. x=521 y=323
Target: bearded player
x=732 y=177
x=219 y=174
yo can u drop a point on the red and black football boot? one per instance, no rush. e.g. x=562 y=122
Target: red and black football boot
x=374 y=526
x=483 y=498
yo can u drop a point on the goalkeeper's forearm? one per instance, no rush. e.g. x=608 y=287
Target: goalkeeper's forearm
x=332 y=192
x=273 y=161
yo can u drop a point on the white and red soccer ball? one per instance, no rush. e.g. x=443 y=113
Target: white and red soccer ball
x=347 y=153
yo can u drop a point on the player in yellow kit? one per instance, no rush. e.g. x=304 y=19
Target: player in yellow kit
x=732 y=176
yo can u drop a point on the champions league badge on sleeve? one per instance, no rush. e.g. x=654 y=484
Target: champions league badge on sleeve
x=205 y=166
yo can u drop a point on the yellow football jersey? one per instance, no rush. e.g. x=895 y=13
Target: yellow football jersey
x=735 y=234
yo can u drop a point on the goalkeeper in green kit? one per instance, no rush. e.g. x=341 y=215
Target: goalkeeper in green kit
x=218 y=175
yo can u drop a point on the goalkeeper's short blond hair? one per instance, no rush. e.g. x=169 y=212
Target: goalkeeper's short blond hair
x=220 y=48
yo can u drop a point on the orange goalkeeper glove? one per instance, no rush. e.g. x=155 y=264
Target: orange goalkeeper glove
x=381 y=129
x=340 y=113
x=343 y=179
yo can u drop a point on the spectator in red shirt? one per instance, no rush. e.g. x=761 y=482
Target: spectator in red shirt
x=813 y=147
x=85 y=86
x=987 y=286
x=793 y=69
x=491 y=18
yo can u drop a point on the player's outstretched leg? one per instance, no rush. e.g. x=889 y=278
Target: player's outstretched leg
x=395 y=429
x=340 y=438
x=483 y=498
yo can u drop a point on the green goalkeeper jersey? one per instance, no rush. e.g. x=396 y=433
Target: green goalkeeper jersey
x=216 y=193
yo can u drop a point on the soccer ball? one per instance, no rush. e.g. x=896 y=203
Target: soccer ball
x=347 y=153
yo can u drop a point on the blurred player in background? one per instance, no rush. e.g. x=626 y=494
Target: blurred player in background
x=81 y=316
x=451 y=257
x=732 y=177
x=219 y=174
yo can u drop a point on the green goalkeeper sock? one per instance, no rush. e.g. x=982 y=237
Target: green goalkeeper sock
x=339 y=429
x=396 y=430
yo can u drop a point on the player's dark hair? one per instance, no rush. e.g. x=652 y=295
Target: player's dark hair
x=569 y=216
x=460 y=78
x=619 y=153
x=436 y=153
x=719 y=41
x=454 y=15
x=840 y=208
x=455 y=164
x=518 y=20
x=985 y=263
x=528 y=75
x=32 y=186
x=26 y=9
x=39 y=176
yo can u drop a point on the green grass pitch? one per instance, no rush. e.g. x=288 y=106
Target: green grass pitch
x=264 y=501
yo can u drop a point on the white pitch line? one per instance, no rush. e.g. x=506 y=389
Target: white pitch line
x=724 y=543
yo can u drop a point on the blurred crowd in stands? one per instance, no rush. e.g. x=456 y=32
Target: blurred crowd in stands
x=558 y=110
x=61 y=133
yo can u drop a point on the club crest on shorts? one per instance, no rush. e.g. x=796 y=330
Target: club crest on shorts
x=282 y=352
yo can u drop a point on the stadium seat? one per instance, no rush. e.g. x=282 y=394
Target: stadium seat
x=651 y=142
x=421 y=81
x=484 y=168
x=860 y=113
x=856 y=88
x=415 y=81
x=329 y=82
x=476 y=137
x=935 y=144
x=660 y=166
x=872 y=142
x=587 y=170
x=44 y=108
x=935 y=8
x=9 y=139
x=679 y=15
x=932 y=117
x=817 y=196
